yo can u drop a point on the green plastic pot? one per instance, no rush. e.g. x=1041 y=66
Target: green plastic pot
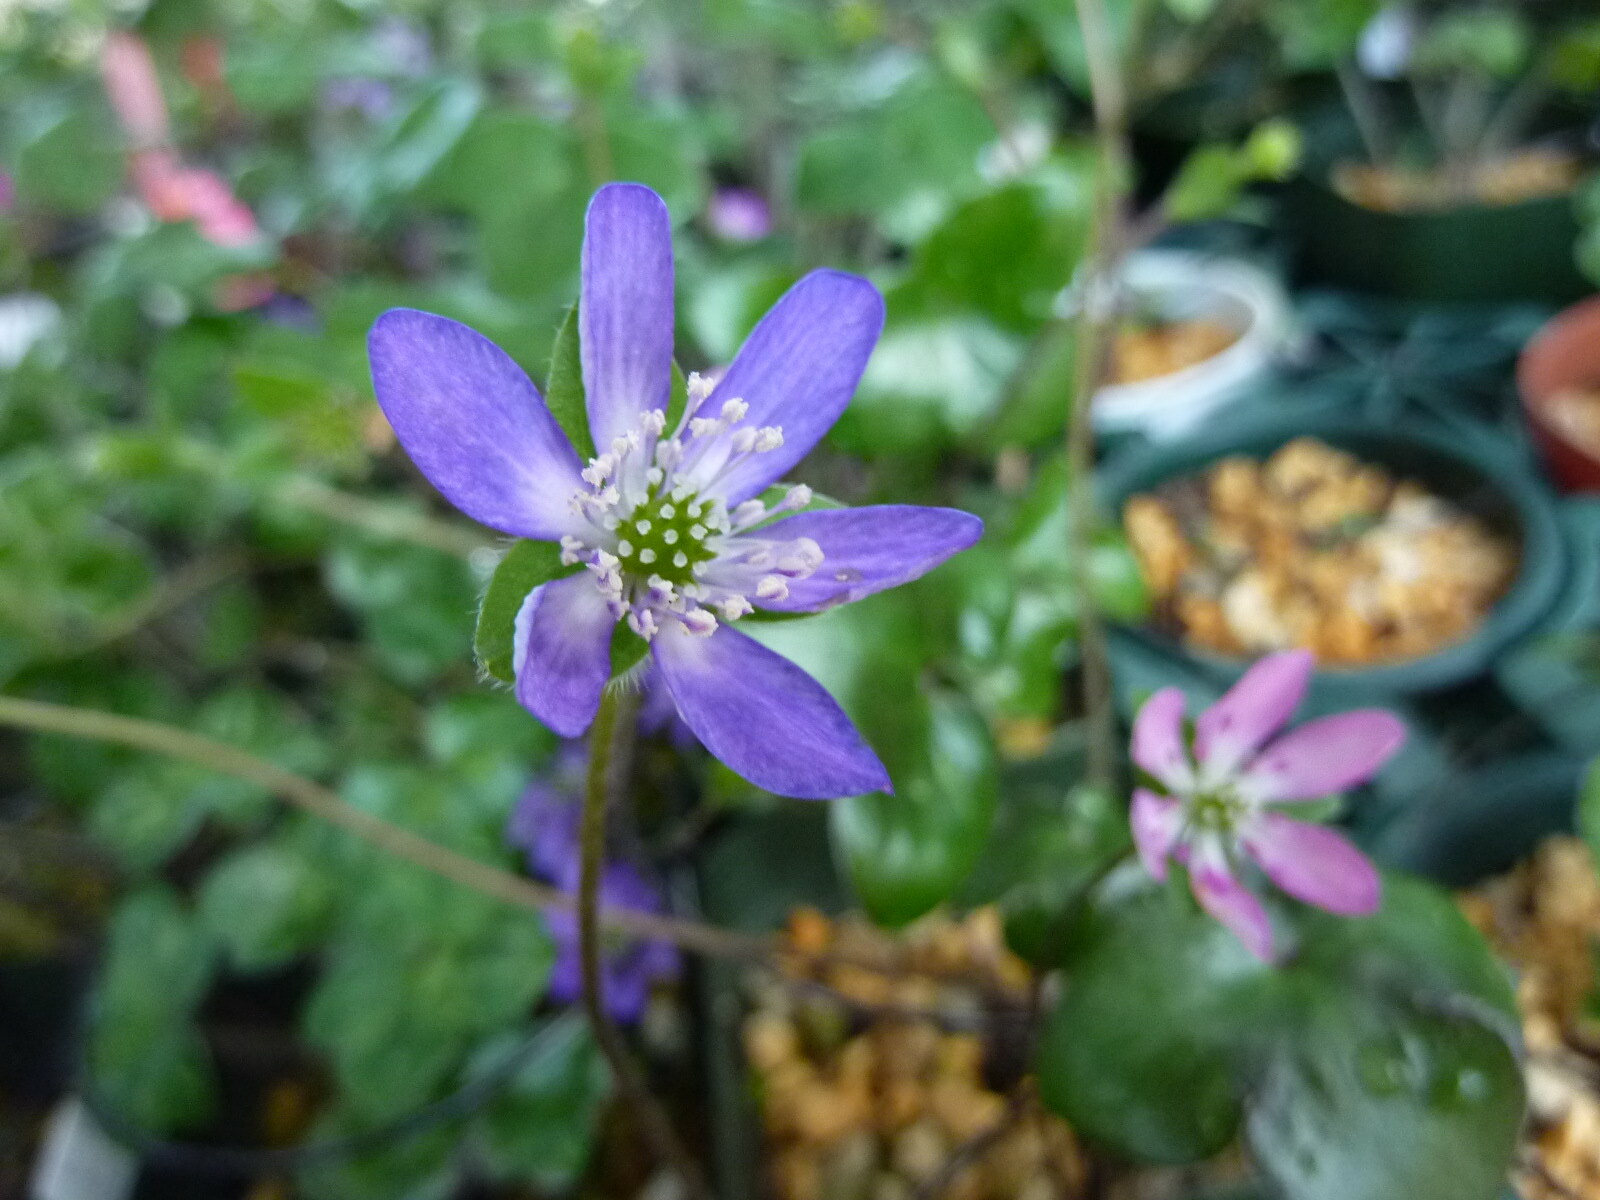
x=1480 y=825
x=1470 y=255
x=1487 y=478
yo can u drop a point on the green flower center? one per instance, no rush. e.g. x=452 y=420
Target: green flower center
x=666 y=536
x=1217 y=812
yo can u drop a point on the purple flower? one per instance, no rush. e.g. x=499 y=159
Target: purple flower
x=372 y=98
x=545 y=825
x=672 y=530
x=739 y=215
x=1221 y=806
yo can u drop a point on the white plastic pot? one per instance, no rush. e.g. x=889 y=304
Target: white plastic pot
x=1176 y=286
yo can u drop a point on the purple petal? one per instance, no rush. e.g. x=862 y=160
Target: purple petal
x=867 y=550
x=473 y=423
x=798 y=369
x=1315 y=864
x=625 y=308
x=1156 y=821
x=764 y=716
x=566 y=973
x=1233 y=904
x=544 y=823
x=563 y=653
x=1326 y=755
x=1158 y=740
x=1252 y=710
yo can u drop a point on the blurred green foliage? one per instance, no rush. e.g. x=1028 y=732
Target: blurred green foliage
x=205 y=520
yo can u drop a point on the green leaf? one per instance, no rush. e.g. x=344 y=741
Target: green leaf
x=147 y=1058
x=1165 y=991
x=900 y=161
x=527 y=565
x=1009 y=253
x=265 y=904
x=1589 y=808
x=70 y=163
x=909 y=852
x=564 y=392
x=544 y=1123
x=1378 y=1061
x=1049 y=846
x=1373 y=1100
x=1489 y=42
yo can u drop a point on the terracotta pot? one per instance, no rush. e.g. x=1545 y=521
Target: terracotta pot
x=1564 y=354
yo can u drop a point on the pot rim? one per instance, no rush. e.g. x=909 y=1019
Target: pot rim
x=1541 y=566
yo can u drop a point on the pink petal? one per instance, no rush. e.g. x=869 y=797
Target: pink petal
x=134 y=89
x=1158 y=739
x=1327 y=755
x=1253 y=710
x=1231 y=903
x=1315 y=864
x=1156 y=822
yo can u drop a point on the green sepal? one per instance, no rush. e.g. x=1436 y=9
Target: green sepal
x=627 y=650
x=677 y=398
x=526 y=565
x=563 y=392
x=565 y=396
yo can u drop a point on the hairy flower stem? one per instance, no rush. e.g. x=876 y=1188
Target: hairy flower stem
x=1096 y=321
x=610 y=756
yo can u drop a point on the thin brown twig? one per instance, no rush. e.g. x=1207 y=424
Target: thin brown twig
x=173 y=591
x=325 y=804
x=970 y=1152
x=383 y=518
x=313 y=798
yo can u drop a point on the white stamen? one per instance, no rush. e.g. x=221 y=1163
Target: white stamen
x=697 y=532
x=769 y=437
x=772 y=587
x=735 y=607
x=670 y=537
x=680 y=560
x=643 y=525
x=668 y=512
x=624 y=547
x=734 y=411
x=749 y=512
x=700 y=622
x=647 y=556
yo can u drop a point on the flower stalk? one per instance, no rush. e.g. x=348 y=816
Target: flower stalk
x=1096 y=319
x=610 y=756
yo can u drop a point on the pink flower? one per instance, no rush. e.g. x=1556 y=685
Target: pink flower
x=134 y=89
x=175 y=192
x=1221 y=802
x=172 y=190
